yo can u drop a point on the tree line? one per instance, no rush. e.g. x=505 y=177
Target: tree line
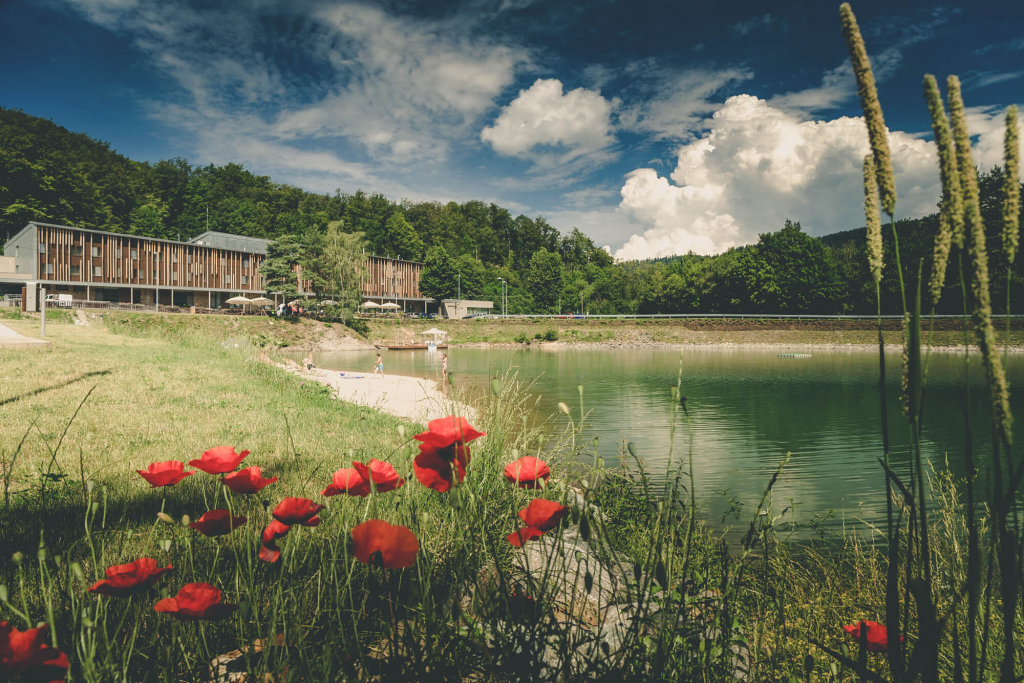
x=51 y=174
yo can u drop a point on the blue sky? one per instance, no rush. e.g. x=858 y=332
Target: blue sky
x=655 y=127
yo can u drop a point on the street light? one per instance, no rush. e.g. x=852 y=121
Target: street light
x=502 y=295
x=458 y=299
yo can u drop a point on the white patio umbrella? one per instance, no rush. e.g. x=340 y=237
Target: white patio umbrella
x=238 y=300
x=390 y=305
x=328 y=302
x=436 y=332
x=370 y=304
x=262 y=301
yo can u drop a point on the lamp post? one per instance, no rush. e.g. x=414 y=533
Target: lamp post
x=502 y=295
x=458 y=299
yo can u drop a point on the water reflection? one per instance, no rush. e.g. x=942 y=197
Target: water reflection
x=748 y=409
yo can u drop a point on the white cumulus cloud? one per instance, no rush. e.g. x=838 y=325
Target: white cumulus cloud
x=755 y=167
x=553 y=128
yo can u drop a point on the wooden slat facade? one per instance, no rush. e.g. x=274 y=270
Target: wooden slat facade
x=392 y=278
x=69 y=255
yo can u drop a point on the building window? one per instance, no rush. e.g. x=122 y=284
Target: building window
x=227 y=279
x=118 y=252
x=95 y=251
x=76 y=250
x=16 y=251
x=245 y=279
x=135 y=273
x=174 y=277
x=75 y=270
x=223 y=261
x=42 y=247
x=16 y=267
x=156 y=256
x=154 y=273
x=49 y=269
x=135 y=254
x=97 y=271
x=189 y=258
x=245 y=263
x=119 y=271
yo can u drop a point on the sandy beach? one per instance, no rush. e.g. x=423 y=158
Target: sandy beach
x=412 y=398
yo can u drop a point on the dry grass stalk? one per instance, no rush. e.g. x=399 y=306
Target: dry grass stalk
x=1011 y=203
x=874 y=223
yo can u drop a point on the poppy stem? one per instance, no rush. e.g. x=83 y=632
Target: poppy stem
x=391 y=610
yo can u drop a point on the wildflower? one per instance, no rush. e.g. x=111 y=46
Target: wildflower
x=164 y=473
x=27 y=654
x=874 y=223
x=1011 y=200
x=219 y=460
x=124 y=580
x=217 y=523
x=540 y=516
x=877 y=635
x=377 y=543
x=302 y=511
x=384 y=476
x=974 y=230
x=873 y=117
x=434 y=471
x=275 y=530
x=449 y=435
x=196 y=602
x=249 y=480
x=528 y=472
x=347 y=481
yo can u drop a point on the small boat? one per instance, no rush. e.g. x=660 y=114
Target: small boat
x=410 y=347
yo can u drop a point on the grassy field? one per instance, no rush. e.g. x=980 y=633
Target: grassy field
x=147 y=391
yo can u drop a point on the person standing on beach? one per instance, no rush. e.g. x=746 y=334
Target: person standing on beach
x=444 y=366
x=379 y=366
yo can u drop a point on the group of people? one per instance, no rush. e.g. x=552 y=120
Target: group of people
x=289 y=309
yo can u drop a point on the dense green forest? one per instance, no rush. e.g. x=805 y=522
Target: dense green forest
x=48 y=173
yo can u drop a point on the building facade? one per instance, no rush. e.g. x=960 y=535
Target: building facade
x=104 y=266
x=204 y=271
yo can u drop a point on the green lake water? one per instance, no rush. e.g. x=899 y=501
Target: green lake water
x=748 y=407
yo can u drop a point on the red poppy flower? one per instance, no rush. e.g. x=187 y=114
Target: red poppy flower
x=433 y=471
x=348 y=481
x=384 y=476
x=164 y=473
x=135 y=577
x=217 y=523
x=249 y=480
x=275 y=530
x=27 y=654
x=543 y=514
x=518 y=538
x=377 y=543
x=877 y=635
x=195 y=602
x=219 y=460
x=292 y=511
x=529 y=472
x=449 y=435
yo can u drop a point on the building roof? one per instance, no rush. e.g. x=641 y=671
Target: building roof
x=217 y=240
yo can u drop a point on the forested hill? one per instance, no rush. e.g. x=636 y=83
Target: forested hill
x=48 y=173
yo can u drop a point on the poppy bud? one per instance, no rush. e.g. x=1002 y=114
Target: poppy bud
x=57 y=560
x=95 y=507
x=185 y=520
x=600 y=463
x=674 y=391
x=564 y=408
x=243 y=609
x=660 y=574
x=575 y=515
x=496 y=387
x=588 y=581
x=401 y=431
x=90 y=485
x=364 y=426
x=76 y=569
x=631 y=448
x=584 y=528
x=579 y=389
x=584 y=484
x=166 y=545
x=636 y=572
x=17 y=557
x=41 y=554
x=515 y=453
x=164 y=517
x=3 y=592
x=595 y=442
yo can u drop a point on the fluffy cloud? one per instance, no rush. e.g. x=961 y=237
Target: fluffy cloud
x=757 y=166
x=553 y=128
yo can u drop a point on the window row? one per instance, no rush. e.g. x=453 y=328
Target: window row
x=76 y=250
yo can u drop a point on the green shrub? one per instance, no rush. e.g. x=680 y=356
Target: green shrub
x=521 y=338
x=551 y=335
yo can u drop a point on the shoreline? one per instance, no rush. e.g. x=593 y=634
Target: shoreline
x=739 y=346
x=412 y=398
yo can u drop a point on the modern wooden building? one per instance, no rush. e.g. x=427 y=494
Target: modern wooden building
x=105 y=266
x=204 y=271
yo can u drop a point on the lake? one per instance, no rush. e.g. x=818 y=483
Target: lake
x=748 y=407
